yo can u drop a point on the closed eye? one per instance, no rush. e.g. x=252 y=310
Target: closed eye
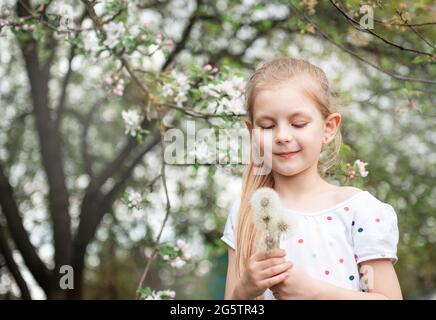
x=300 y=125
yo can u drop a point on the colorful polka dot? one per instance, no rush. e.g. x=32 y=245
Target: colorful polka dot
x=300 y=241
x=383 y=255
x=326 y=272
x=356 y=257
x=347 y=209
x=360 y=229
x=377 y=220
x=351 y=277
x=329 y=218
x=352 y=223
x=341 y=260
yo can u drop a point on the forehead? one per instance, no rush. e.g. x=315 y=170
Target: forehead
x=287 y=99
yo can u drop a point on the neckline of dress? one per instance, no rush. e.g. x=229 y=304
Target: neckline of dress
x=315 y=213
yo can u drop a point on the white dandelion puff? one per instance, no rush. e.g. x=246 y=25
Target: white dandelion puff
x=285 y=225
x=268 y=217
x=265 y=203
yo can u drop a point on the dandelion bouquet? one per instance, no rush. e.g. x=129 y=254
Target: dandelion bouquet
x=265 y=203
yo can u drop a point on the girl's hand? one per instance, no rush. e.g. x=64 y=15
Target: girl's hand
x=299 y=285
x=263 y=271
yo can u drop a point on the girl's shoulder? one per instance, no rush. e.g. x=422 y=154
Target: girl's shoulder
x=365 y=204
x=352 y=194
x=343 y=193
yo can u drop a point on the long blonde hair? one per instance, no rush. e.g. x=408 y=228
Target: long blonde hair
x=269 y=73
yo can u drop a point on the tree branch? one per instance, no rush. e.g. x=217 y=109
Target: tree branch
x=303 y=17
x=127 y=171
x=185 y=36
x=357 y=26
x=167 y=214
x=51 y=150
x=6 y=252
x=19 y=233
x=61 y=104
x=414 y=30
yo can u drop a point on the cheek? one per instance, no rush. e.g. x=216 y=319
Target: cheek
x=309 y=140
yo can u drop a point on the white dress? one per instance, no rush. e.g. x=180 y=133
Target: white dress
x=329 y=244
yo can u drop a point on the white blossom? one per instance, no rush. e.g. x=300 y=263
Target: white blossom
x=160 y=295
x=90 y=41
x=114 y=32
x=168 y=293
x=134 y=199
x=181 y=80
x=233 y=87
x=178 y=263
x=181 y=243
x=209 y=90
x=180 y=98
x=132 y=122
x=119 y=88
x=234 y=105
x=167 y=90
x=361 y=166
x=66 y=14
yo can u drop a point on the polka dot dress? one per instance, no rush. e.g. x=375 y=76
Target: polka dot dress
x=329 y=244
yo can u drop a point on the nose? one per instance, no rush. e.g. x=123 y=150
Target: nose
x=283 y=135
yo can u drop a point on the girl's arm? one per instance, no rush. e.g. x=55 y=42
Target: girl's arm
x=382 y=284
x=231 y=278
x=230 y=292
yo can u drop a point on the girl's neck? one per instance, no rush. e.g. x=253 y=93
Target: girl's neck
x=300 y=186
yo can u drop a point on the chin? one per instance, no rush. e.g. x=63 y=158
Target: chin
x=286 y=170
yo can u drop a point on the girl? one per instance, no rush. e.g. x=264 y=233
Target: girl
x=345 y=240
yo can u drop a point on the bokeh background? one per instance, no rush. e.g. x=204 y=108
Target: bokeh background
x=77 y=189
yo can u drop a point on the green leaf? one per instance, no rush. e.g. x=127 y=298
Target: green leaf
x=145 y=292
x=420 y=59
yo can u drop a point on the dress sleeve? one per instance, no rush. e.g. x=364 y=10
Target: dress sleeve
x=230 y=226
x=375 y=232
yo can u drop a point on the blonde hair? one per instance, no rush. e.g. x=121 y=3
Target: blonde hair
x=272 y=72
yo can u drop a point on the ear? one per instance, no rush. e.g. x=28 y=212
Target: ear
x=331 y=127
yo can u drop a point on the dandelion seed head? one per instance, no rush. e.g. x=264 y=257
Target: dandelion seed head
x=265 y=203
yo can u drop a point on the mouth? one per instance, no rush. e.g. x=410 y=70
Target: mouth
x=287 y=155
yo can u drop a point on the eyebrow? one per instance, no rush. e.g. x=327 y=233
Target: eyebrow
x=297 y=113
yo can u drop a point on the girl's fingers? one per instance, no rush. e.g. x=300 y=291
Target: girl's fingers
x=268 y=283
x=270 y=272
x=268 y=263
x=263 y=255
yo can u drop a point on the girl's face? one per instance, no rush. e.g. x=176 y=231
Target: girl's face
x=289 y=128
